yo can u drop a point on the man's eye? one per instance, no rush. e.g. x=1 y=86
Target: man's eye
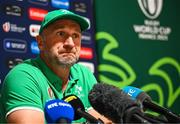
x=75 y=36
x=61 y=33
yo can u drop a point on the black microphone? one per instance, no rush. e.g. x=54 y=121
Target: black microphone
x=79 y=109
x=145 y=99
x=116 y=105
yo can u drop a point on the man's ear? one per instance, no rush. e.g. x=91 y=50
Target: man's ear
x=40 y=42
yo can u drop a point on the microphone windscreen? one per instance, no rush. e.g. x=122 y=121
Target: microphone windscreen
x=56 y=110
x=111 y=102
x=76 y=103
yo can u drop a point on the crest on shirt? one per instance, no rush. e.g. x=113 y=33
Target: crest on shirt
x=50 y=93
x=78 y=91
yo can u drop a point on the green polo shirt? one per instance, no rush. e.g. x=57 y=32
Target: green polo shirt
x=31 y=84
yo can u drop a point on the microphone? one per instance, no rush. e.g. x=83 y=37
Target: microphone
x=58 y=111
x=114 y=104
x=147 y=103
x=79 y=109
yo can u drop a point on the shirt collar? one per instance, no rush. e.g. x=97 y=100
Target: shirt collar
x=52 y=77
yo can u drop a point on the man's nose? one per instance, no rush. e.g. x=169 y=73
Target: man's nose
x=69 y=43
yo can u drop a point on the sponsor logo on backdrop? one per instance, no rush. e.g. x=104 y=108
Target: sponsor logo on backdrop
x=151 y=8
x=34 y=30
x=13 y=10
x=152 y=28
x=11 y=62
x=37 y=14
x=86 y=38
x=89 y=65
x=10 y=27
x=39 y=2
x=79 y=7
x=86 y=53
x=34 y=47
x=62 y=4
x=6 y=26
x=15 y=45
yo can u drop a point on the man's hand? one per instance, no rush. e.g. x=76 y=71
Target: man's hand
x=99 y=116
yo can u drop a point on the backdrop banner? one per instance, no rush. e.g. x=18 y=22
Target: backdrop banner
x=138 y=44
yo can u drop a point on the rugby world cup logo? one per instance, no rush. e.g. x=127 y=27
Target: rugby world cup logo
x=151 y=8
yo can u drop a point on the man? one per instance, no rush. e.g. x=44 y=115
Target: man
x=53 y=74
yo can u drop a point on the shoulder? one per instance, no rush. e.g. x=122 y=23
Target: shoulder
x=81 y=67
x=83 y=73
x=25 y=68
x=22 y=74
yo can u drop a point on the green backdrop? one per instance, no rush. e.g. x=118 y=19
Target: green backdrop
x=138 y=44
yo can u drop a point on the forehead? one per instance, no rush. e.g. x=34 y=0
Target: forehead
x=64 y=23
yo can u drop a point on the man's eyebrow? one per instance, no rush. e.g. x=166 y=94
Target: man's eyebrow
x=58 y=27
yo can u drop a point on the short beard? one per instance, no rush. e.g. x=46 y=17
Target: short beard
x=65 y=62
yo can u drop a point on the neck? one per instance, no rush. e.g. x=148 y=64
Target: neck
x=62 y=71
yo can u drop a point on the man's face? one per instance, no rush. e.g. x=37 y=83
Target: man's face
x=62 y=42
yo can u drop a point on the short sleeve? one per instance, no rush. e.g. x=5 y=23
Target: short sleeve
x=21 y=90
